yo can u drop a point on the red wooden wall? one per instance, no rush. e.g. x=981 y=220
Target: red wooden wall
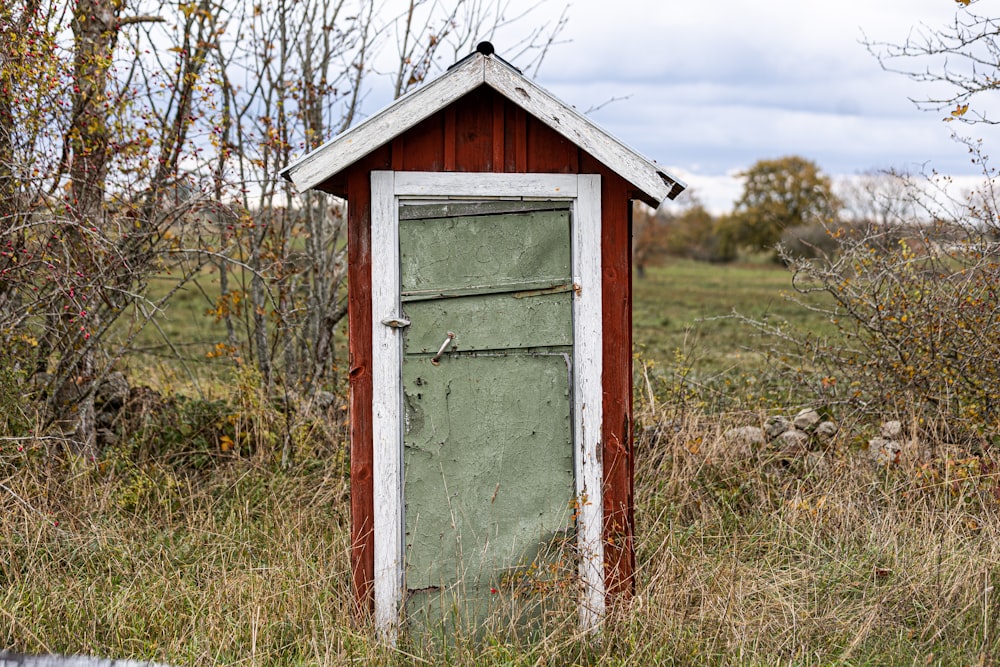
x=483 y=132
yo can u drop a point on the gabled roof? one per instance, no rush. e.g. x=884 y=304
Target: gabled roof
x=465 y=76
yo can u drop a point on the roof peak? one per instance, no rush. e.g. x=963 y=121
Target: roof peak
x=475 y=70
x=487 y=49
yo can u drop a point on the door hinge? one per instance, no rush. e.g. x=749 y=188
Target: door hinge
x=396 y=322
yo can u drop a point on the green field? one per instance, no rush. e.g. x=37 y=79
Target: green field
x=683 y=311
x=688 y=307
x=188 y=542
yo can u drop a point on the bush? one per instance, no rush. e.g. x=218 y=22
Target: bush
x=16 y=415
x=919 y=319
x=809 y=242
x=691 y=232
x=695 y=234
x=820 y=240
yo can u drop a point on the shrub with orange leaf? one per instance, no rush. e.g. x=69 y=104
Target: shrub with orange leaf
x=919 y=317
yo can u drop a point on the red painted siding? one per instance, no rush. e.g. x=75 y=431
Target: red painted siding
x=423 y=147
x=474 y=131
x=619 y=555
x=485 y=132
x=359 y=313
x=550 y=152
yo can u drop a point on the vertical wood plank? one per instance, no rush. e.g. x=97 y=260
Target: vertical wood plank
x=474 y=131
x=387 y=423
x=515 y=139
x=617 y=352
x=587 y=396
x=550 y=152
x=398 y=152
x=360 y=401
x=511 y=130
x=626 y=581
x=520 y=140
x=424 y=148
x=498 y=131
x=450 y=136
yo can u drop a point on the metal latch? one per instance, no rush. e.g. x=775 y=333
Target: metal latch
x=436 y=359
x=396 y=322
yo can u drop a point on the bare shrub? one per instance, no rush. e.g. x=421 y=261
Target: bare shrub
x=918 y=318
x=809 y=241
x=135 y=146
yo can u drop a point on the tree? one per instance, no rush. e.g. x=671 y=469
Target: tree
x=878 y=197
x=293 y=75
x=77 y=244
x=693 y=232
x=647 y=237
x=779 y=194
x=678 y=229
x=959 y=60
x=135 y=145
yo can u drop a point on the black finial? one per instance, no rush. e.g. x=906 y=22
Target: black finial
x=486 y=49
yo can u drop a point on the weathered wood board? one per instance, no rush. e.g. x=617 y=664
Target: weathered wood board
x=500 y=311
x=488 y=436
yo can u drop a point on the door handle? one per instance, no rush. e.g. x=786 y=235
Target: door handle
x=396 y=322
x=436 y=359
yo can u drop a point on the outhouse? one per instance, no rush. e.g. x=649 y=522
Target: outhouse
x=489 y=293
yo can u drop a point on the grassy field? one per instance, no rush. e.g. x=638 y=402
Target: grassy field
x=187 y=543
x=691 y=332
x=688 y=307
x=174 y=351
x=682 y=311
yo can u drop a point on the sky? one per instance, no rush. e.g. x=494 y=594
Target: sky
x=708 y=88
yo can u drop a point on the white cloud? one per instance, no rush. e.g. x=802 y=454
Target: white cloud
x=712 y=87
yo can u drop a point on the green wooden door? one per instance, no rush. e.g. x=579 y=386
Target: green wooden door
x=488 y=458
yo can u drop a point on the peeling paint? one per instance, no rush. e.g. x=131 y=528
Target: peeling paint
x=488 y=455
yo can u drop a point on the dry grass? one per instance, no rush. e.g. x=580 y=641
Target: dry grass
x=749 y=559
x=171 y=548
x=248 y=568
x=743 y=559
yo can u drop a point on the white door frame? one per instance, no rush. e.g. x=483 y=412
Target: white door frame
x=584 y=193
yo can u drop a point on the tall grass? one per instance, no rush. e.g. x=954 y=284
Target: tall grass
x=747 y=558
x=743 y=558
x=189 y=543
x=245 y=565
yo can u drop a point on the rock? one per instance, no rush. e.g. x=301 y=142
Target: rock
x=793 y=444
x=891 y=430
x=884 y=451
x=20 y=660
x=143 y=400
x=106 y=418
x=112 y=391
x=793 y=436
x=806 y=419
x=106 y=437
x=826 y=430
x=817 y=462
x=776 y=425
x=744 y=435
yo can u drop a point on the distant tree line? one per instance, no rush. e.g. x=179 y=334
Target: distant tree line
x=788 y=207
x=905 y=267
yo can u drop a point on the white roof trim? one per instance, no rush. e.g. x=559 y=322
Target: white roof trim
x=352 y=145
